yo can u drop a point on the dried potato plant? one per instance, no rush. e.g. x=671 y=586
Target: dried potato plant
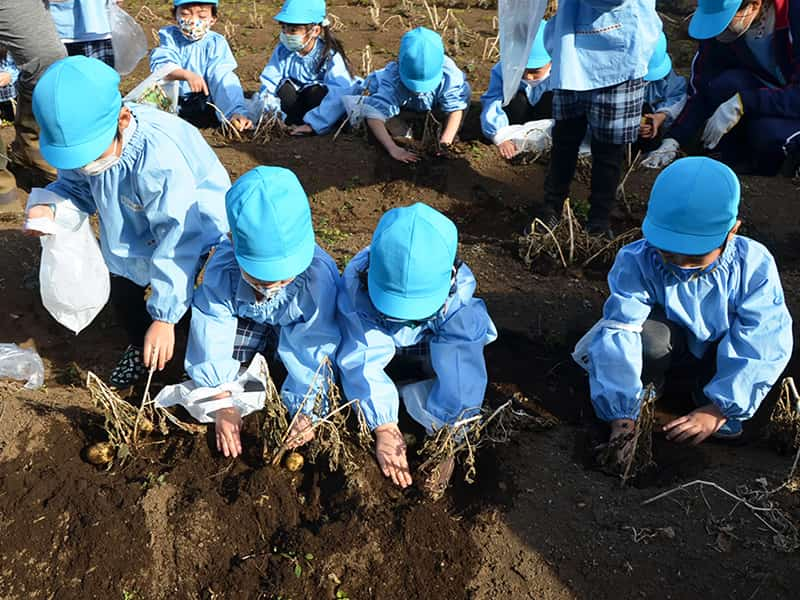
x=784 y=426
x=270 y=126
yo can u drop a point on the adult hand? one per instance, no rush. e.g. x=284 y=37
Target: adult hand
x=508 y=149
x=403 y=155
x=40 y=211
x=196 y=82
x=241 y=122
x=228 y=425
x=303 y=129
x=390 y=449
x=696 y=426
x=725 y=118
x=159 y=344
x=5 y=78
x=661 y=156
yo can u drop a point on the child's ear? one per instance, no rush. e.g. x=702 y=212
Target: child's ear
x=735 y=228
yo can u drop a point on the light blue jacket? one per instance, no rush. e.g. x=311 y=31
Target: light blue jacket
x=493 y=117
x=209 y=57
x=599 y=43
x=667 y=95
x=388 y=95
x=737 y=302
x=304 y=312
x=80 y=20
x=285 y=65
x=161 y=207
x=456 y=337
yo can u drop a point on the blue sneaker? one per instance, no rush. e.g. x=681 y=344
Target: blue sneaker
x=730 y=431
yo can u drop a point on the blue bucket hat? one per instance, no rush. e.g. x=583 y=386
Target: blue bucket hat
x=270 y=220
x=539 y=57
x=693 y=206
x=411 y=262
x=76 y=103
x=421 y=60
x=660 y=63
x=301 y=12
x=177 y=3
x=712 y=17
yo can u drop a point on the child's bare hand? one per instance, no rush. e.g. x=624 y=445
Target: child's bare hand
x=228 y=424
x=619 y=429
x=159 y=344
x=40 y=211
x=390 y=449
x=303 y=129
x=5 y=78
x=241 y=122
x=196 y=82
x=508 y=149
x=300 y=433
x=403 y=155
x=696 y=426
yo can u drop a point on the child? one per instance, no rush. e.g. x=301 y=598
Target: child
x=83 y=28
x=533 y=100
x=664 y=97
x=691 y=293
x=271 y=279
x=600 y=54
x=307 y=73
x=422 y=79
x=8 y=84
x=202 y=61
x=408 y=297
x=156 y=185
x=745 y=100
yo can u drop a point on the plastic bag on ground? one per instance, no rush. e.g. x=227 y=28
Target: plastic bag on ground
x=127 y=38
x=518 y=23
x=22 y=364
x=248 y=393
x=154 y=91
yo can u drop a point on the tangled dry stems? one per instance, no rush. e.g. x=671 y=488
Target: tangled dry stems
x=784 y=427
x=270 y=126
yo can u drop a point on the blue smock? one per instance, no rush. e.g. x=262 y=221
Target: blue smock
x=161 y=208
x=493 y=117
x=455 y=338
x=80 y=20
x=304 y=313
x=737 y=303
x=209 y=57
x=600 y=43
x=667 y=95
x=388 y=96
x=285 y=65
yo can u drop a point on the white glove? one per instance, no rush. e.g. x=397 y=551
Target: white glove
x=661 y=156
x=722 y=121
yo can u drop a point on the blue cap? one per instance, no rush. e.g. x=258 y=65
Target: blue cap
x=273 y=238
x=539 y=56
x=421 y=60
x=76 y=103
x=660 y=63
x=693 y=206
x=411 y=262
x=301 y=12
x=177 y=3
x=712 y=17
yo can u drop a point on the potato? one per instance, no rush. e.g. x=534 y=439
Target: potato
x=294 y=461
x=100 y=453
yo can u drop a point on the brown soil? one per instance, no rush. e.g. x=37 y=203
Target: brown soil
x=539 y=522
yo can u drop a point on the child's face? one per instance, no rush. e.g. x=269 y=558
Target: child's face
x=701 y=261
x=192 y=12
x=537 y=74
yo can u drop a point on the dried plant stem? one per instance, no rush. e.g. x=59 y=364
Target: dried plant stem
x=701 y=482
x=228 y=128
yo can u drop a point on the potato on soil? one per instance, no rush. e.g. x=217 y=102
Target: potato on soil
x=100 y=453
x=294 y=461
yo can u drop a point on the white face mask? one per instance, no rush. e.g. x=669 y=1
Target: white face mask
x=294 y=42
x=269 y=292
x=96 y=167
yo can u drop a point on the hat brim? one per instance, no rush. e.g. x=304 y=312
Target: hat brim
x=286 y=267
x=660 y=71
x=538 y=61
x=682 y=243
x=403 y=307
x=422 y=86
x=298 y=19
x=706 y=25
x=74 y=157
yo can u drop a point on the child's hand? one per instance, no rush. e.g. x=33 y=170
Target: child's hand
x=403 y=155
x=196 y=82
x=655 y=121
x=303 y=129
x=5 y=78
x=696 y=426
x=508 y=149
x=159 y=344
x=300 y=433
x=390 y=448
x=619 y=429
x=228 y=424
x=40 y=211
x=447 y=139
x=241 y=122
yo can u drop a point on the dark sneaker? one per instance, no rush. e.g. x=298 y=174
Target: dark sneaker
x=546 y=215
x=129 y=370
x=600 y=228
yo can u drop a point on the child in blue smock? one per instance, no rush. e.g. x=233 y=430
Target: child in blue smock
x=600 y=50
x=407 y=296
x=422 y=80
x=8 y=84
x=532 y=102
x=271 y=280
x=664 y=97
x=691 y=293
x=202 y=61
x=156 y=185
x=307 y=73
x=83 y=27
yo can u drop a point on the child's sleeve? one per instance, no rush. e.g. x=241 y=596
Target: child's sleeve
x=166 y=53
x=270 y=78
x=71 y=187
x=673 y=97
x=455 y=93
x=383 y=103
x=223 y=83
x=615 y=353
x=757 y=347
x=493 y=117
x=309 y=340
x=338 y=81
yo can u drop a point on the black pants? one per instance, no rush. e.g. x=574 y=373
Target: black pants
x=520 y=111
x=130 y=309
x=295 y=104
x=195 y=109
x=7 y=111
x=606 y=169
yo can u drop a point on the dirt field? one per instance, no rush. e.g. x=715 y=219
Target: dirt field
x=539 y=522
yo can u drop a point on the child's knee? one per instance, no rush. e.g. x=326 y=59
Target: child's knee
x=656 y=341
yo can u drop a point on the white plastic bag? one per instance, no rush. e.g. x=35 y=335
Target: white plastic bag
x=519 y=22
x=22 y=364
x=127 y=38
x=157 y=92
x=73 y=277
